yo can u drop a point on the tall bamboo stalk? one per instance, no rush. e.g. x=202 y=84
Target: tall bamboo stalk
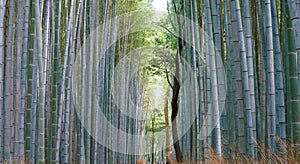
x=279 y=82
x=62 y=87
x=24 y=80
x=271 y=121
x=2 y=50
x=295 y=18
x=246 y=85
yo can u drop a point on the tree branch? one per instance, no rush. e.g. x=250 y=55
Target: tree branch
x=175 y=7
x=168 y=79
x=169 y=16
x=167 y=29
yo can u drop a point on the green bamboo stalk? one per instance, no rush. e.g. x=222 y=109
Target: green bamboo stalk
x=238 y=84
x=214 y=81
x=31 y=90
x=62 y=86
x=17 y=78
x=24 y=79
x=227 y=115
x=280 y=104
x=102 y=73
x=292 y=78
x=195 y=92
x=56 y=67
x=115 y=28
x=68 y=88
x=8 y=87
x=46 y=53
x=246 y=86
x=186 y=94
x=207 y=88
x=271 y=108
x=250 y=63
x=216 y=13
x=2 y=50
x=200 y=63
x=255 y=53
x=261 y=60
x=52 y=87
x=41 y=84
x=83 y=91
x=34 y=99
x=295 y=19
x=76 y=114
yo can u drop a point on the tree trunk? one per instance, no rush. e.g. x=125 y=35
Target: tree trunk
x=174 y=104
x=166 y=112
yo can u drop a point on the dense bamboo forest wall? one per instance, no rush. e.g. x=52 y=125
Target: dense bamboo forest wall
x=112 y=81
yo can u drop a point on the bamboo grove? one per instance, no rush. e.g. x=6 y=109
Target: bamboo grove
x=258 y=44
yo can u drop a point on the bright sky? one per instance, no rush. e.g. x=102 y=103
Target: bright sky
x=160 y=5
